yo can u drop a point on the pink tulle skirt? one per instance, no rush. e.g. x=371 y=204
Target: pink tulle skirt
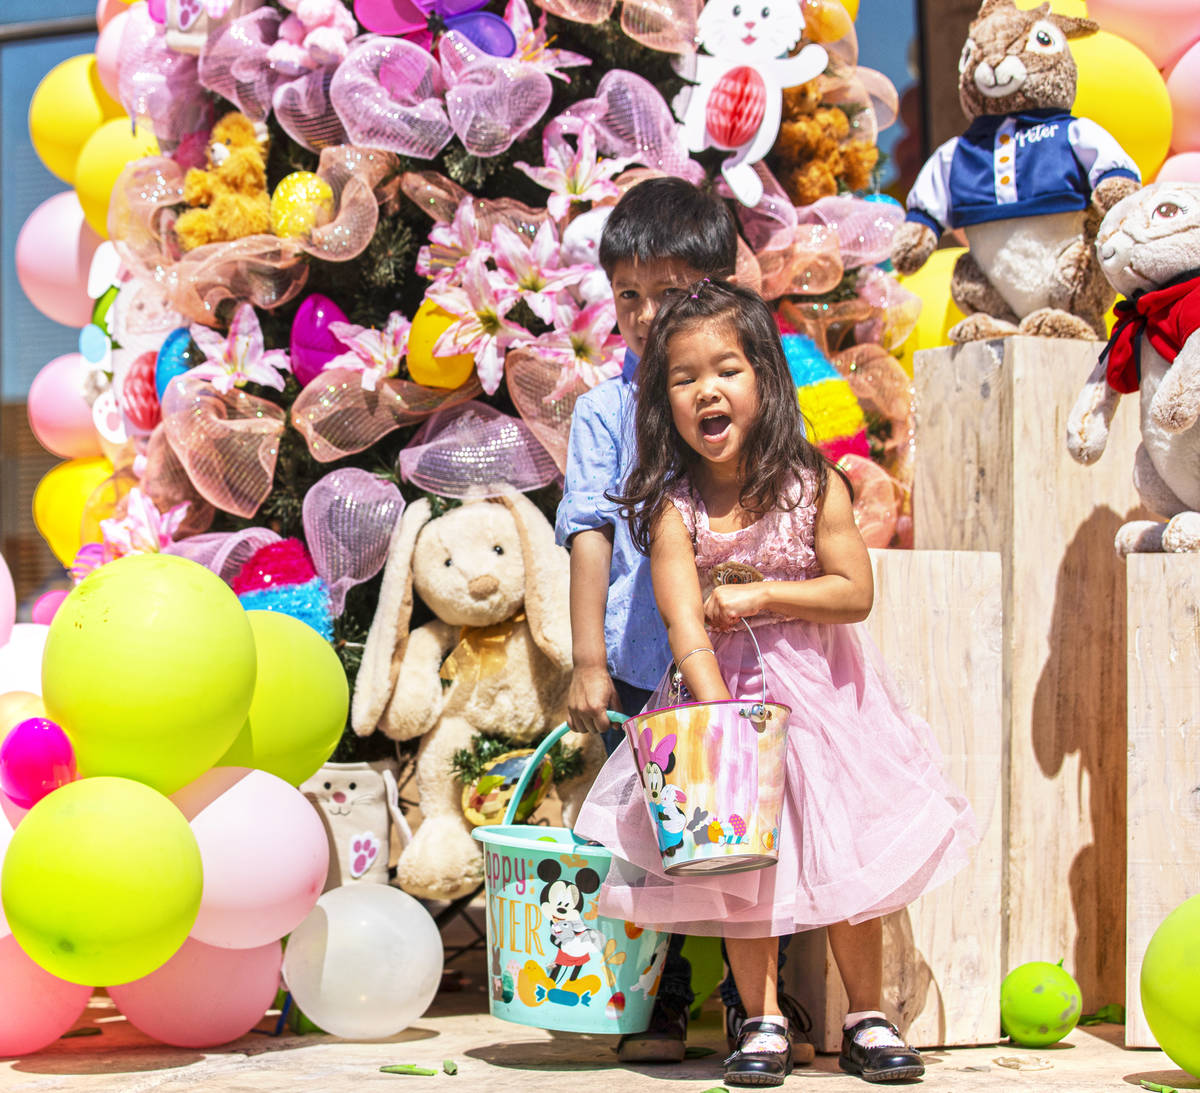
x=869 y=820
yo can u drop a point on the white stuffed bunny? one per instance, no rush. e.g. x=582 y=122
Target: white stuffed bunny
x=496 y=660
x=741 y=82
x=1149 y=247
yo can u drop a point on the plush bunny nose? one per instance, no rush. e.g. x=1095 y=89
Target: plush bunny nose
x=482 y=587
x=339 y=797
x=1006 y=78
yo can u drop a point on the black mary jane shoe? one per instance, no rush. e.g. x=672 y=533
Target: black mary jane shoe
x=886 y=1063
x=761 y=1068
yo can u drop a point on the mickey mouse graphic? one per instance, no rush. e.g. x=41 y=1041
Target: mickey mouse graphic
x=657 y=761
x=562 y=905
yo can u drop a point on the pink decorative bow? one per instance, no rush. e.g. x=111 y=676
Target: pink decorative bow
x=234 y=62
x=659 y=754
x=667 y=25
x=305 y=111
x=865 y=229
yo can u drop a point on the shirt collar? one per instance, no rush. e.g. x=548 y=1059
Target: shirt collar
x=629 y=368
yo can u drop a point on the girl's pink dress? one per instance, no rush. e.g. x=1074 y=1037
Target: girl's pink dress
x=869 y=820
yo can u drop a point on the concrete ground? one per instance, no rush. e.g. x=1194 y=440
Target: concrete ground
x=496 y=1056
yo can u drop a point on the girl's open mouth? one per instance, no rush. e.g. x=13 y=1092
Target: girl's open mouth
x=715 y=426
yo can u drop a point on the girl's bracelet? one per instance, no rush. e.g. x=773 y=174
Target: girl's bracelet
x=692 y=652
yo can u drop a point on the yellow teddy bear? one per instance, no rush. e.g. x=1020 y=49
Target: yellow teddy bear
x=230 y=197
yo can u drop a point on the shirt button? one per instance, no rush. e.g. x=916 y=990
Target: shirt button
x=1005 y=138
x=1005 y=159
x=1005 y=180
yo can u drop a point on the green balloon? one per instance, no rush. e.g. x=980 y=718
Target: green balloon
x=300 y=701
x=102 y=881
x=1171 y=985
x=149 y=667
x=1039 y=1003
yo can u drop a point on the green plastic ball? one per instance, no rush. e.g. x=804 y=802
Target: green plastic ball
x=1171 y=984
x=1039 y=1004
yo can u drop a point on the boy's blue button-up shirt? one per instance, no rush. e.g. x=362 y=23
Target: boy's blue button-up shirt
x=600 y=454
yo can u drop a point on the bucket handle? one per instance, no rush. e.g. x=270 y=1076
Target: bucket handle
x=757 y=713
x=535 y=761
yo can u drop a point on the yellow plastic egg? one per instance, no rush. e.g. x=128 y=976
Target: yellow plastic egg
x=302 y=201
x=429 y=323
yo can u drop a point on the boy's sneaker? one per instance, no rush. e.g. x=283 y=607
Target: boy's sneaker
x=663 y=1041
x=799 y=1026
x=874 y=1051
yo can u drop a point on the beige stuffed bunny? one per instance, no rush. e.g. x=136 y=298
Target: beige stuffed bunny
x=495 y=660
x=1027 y=182
x=1149 y=247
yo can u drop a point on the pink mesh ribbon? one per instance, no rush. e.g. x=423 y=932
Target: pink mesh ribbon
x=338 y=417
x=348 y=520
x=234 y=62
x=166 y=483
x=440 y=198
x=475 y=447
x=159 y=85
x=631 y=121
x=667 y=25
x=865 y=229
x=895 y=309
x=876 y=499
x=258 y=269
x=531 y=378
x=885 y=392
x=305 y=111
x=227 y=443
x=224 y=552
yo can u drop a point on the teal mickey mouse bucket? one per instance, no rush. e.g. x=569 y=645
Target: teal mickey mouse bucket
x=556 y=963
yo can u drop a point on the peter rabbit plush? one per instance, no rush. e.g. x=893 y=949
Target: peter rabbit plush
x=495 y=660
x=1027 y=182
x=1149 y=248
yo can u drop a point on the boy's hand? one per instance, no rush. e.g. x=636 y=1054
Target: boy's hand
x=589 y=698
x=728 y=604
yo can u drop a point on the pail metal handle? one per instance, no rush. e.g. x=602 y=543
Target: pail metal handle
x=758 y=712
x=535 y=761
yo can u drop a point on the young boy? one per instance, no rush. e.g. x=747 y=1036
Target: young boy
x=663 y=234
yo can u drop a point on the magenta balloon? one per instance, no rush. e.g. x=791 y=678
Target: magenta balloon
x=1183 y=85
x=36 y=757
x=313 y=346
x=265 y=855
x=203 y=996
x=36 y=1008
x=59 y=414
x=1162 y=29
x=8 y=602
x=54 y=253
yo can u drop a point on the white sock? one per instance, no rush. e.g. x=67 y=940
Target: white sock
x=766 y=1041
x=876 y=1035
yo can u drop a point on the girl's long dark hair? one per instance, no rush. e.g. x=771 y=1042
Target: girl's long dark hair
x=776 y=450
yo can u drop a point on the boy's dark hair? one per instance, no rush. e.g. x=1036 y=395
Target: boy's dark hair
x=776 y=450
x=670 y=218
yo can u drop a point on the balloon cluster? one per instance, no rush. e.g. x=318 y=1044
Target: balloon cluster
x=135 y=855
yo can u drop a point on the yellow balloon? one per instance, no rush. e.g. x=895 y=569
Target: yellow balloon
x=1076 y=9
x=851 y=7
x=938 y=312
x=1120 y=89
x=68 y=106
x=59 y=501
x=302 y=201
x=105 y=155
x=429 y=323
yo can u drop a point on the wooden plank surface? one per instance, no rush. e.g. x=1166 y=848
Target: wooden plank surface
x=1164 y=757
x=993 y=473
x=937 y=622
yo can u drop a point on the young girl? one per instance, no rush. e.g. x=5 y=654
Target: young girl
x=727 y=485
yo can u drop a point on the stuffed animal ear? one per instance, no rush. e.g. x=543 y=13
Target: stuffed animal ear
x=1074 y=27
x=547 y=575
x=990 y=7
x=389 y=628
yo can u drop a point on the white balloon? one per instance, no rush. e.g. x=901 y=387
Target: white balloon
x=365 y=963
x=21 y=658
x=6 y=834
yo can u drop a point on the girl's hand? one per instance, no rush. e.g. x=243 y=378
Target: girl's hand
x=728 y=604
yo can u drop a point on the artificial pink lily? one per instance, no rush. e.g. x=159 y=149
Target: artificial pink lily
x=532 y=43
x=452 y=244
x=143 y=529
x=575 y=174
x=239 y=358
x=533 y=267
x=584 y=344
x=479 y=305
x=375 y=353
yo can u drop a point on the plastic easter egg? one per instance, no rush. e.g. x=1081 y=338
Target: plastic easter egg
x=735 y=107
x=1163 y=29
x=67 y=108
x=102 y=881
x=1170 y=985
x=108 y=151
x=36 y=758
x=485 y=800
x=302 y=201
x=429 y=324
x=1039 y=1003
x=54 y=252
x=175 y=357
x=139 y=396
x=313 y=345
x=60 y=499
x=59 y=414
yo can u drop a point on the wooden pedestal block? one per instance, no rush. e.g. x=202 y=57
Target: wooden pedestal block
x=993 y=473
x=937 y=623
x=1164 y=756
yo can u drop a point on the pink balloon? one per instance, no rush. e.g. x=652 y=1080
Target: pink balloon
x=1184 y=167
x=313 y=346
x=108 y=47
x=265 y=855
x=204 y=995
x=46 y=606
x=59 y=414
x=54 y=253
x=36 y=757
x=1183 y=85
x=106 y=10
x=8 y=602
x=1162 y=29
x=36 y=1008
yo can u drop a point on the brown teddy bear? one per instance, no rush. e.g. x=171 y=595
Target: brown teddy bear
x=230 y=197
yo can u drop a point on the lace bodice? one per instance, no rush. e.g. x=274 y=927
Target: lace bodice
x=779 y=545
